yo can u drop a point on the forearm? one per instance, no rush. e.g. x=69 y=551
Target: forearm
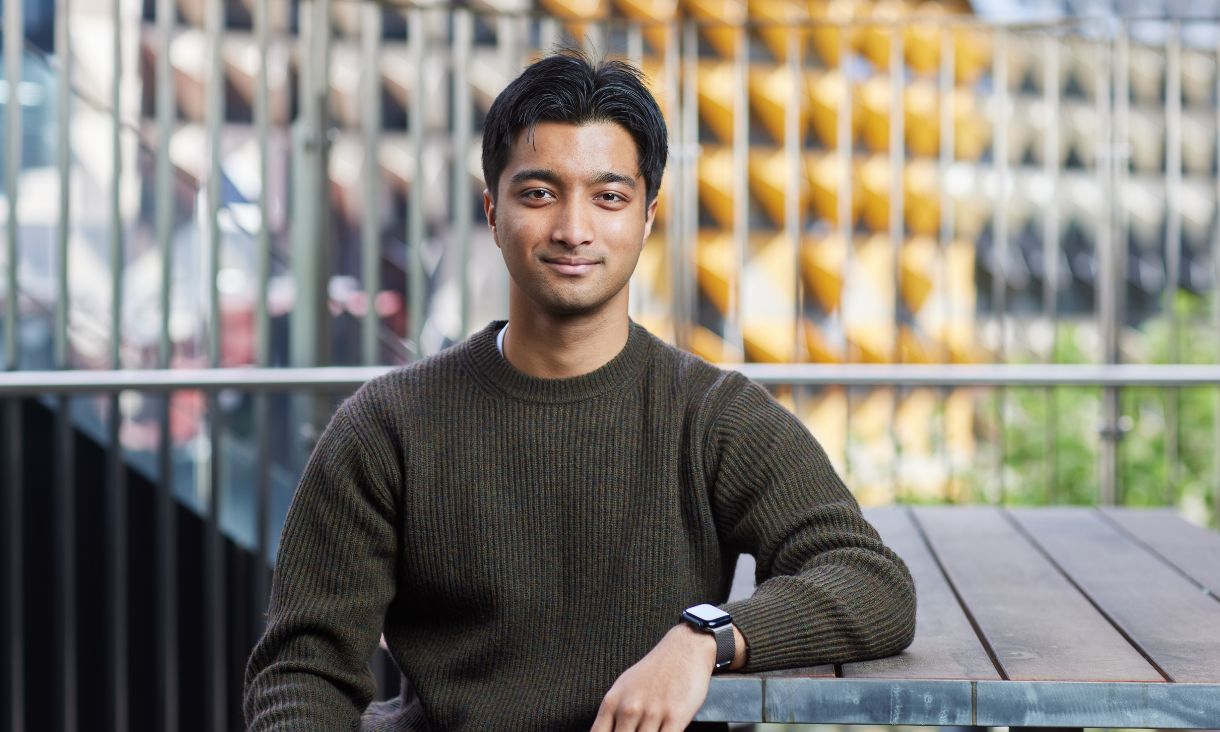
x=847 y=605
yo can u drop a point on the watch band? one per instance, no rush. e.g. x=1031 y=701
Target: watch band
x=726 y=648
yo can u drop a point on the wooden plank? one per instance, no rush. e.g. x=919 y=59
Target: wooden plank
x=1038 y=625
x=1192 y=549
x=1164 y=613
x=945 y=645
x=1121 y=705
x=869 y=701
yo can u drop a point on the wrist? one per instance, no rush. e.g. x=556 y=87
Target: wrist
x=697 y=645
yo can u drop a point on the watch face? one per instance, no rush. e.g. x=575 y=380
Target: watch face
x=709 y=615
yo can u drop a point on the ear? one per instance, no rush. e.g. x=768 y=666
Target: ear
x=650 y=216
x=489 y=210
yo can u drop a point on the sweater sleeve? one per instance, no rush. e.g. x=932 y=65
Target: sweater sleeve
x=334 y=578
x=828 y=590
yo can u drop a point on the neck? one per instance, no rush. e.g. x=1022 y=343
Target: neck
x=557 y=347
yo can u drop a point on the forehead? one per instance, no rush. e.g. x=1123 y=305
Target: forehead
x=576 y=150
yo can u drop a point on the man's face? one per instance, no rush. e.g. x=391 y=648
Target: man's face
x=569 y=217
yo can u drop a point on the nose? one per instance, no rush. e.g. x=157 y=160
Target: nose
x=574 y=225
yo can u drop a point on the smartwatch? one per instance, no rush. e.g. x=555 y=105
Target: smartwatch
x=711 y=619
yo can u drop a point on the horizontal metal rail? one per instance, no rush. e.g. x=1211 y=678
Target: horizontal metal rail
x=340 y=378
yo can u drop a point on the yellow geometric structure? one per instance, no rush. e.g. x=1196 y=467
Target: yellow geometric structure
x=822 y=262
x=782 y=22
x=769 y=174
x=818 y=347
x=826 y=92
x=921 y=38
x=715 y=88
x=876 y=39
x=921 y=118
x=769 y=341
x=920 y=194
x=921 y=197
x=715 y=268
x=715 y=174
x=652 y=14
x=722 y=35
x=917 y=262
x=771 y=95
x=832 y=32
x=825 y=177
x=707 y=345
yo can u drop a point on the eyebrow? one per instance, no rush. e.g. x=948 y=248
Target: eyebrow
x=550 y=176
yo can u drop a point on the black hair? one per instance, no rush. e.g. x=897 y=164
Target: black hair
x=569 y=87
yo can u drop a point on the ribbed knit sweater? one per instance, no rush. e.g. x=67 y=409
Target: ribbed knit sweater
x=522 y=541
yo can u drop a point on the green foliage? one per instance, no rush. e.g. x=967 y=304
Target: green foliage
x=1051 y=437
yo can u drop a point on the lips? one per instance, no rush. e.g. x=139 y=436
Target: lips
x=571 y=265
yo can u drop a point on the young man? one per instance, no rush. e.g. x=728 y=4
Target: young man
x=543 y=517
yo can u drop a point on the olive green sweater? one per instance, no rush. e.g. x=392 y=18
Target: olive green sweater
x=522 y=541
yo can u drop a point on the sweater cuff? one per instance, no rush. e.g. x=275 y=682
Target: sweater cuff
x=778 y=634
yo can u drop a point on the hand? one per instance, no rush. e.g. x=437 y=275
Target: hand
x=663 y=691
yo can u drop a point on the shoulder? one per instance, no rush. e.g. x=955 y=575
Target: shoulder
x=703 y=384
x=384 y=407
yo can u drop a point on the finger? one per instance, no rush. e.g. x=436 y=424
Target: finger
x=605 y=719
x=628 y=715
x=651 y=723
x=674 y=724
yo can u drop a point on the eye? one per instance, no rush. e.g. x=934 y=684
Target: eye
x=537 y=194
x=611 y=197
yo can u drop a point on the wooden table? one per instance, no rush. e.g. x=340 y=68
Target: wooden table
x=1042 y=617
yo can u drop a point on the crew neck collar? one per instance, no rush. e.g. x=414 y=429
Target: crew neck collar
x=493 y=369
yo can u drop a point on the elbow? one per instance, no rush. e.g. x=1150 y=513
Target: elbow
x=899 y=618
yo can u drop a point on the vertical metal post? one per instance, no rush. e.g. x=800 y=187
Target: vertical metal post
x=733 y=330
x=594 y=40
x=945 y=233
x=14 y=538
x=65 y=504
x=548 y=34
x=1000 y=243
x=635 y=44
x=1050 y=251
x=310 y=319
x=63 y=162
x=1109 y=277
x=1173 y=247
x=214 y=574
x=674 y=184
x=14 y=34
x=793 y=192
x=690 y=176
x=415 y=213
x=463 y=34
x=167 y=544
x=14 y=549
x=1118 y=217
x=116 y=496
x=14 y=41
x=897 y=232
x=1216 y=324
x=507 y=44
x=260 y=575
x=370 y=227
x=843 y=151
